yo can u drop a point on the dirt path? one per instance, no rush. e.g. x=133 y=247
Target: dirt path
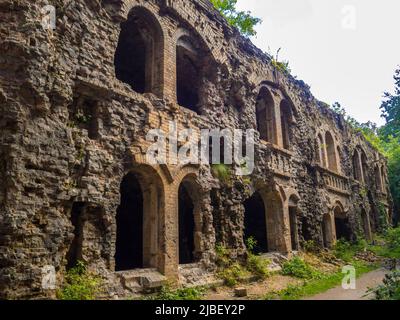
x=368 y=280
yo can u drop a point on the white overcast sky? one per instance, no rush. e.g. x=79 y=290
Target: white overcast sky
x=343 y=59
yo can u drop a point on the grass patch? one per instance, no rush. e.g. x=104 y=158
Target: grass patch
x=390 y=247
x=316 y=285
x=80 y=284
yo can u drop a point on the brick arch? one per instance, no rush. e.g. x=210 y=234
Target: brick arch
x=187 y=181
x=146 y=44
x=266 y=114
x=330 y=147
x=152 y=186
x=276 y=217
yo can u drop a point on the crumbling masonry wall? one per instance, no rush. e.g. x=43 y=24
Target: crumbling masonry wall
x=71 y=130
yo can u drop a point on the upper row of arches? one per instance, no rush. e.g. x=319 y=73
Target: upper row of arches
x=140 y=59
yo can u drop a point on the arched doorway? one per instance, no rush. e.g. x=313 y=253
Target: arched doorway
x=139 y=217
x=255 y=224
x=139 y=56
x=129 y=244
x=343 y=231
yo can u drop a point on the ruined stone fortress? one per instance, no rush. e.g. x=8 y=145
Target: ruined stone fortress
x=76 y=105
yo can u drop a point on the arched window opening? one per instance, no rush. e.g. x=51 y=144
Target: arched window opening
x=339 y=158
x=331 y=152
x=286 y=121
x=364 y=166
x=188 y=74
x=129 y=244
x=265 y=114
x=343 y=231
x=378 y=178
x=139 y=55
x=255 y=224
x=321 y=151
x=357 y=166
x=366 y=225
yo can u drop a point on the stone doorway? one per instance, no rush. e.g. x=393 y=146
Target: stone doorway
x=186 y=226
x=343 y=231
x=129 y=245
x=255 y=225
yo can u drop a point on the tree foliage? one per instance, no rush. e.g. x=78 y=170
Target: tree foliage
x=386 y=139
x=243 y=20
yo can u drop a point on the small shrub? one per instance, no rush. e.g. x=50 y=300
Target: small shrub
x=233 y=274
x=298 y=268
x=344 y=250
x=222 y=172
x=80 y=284
x=223 y=259
x=311 y=246
x=393 y=238
x=390 y=289
x=251 y=244
x=167 y=293
x=258 y=265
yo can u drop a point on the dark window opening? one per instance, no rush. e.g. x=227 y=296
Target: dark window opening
x=255 y=225
x=84 y=114
x=305 y=230
x=75 y=250
x=129 y=245
x=186 y=226
x=266 y=125
x=187 y=76
x=139 y=56
x=342 y=229
x=286 y=115
x=293 y=228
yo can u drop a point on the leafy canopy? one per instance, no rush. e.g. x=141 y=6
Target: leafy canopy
x=385 y=139
x=243 y=20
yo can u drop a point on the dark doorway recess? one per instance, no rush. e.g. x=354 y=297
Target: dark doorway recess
x=255 y=222
x=305 y=230
x=186 y=226
x=129 y=246
x=293 y=228
x=342 y=229
x=75 y=250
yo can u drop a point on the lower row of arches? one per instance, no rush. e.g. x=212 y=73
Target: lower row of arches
x=276 y=226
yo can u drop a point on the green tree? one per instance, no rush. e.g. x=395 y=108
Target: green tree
x=243 y=20
x=390 y=136
x=391 y=110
